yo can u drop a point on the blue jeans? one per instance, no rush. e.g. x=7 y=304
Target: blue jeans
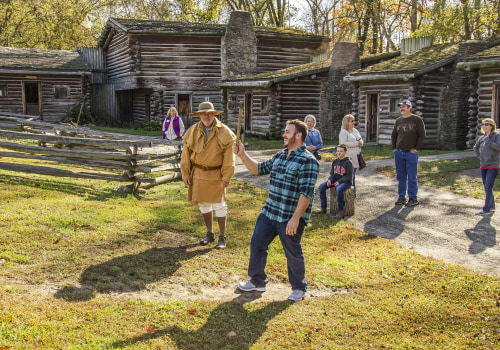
x=406 y=173
x=340 y=194
x=264 y=233
x=489 y=176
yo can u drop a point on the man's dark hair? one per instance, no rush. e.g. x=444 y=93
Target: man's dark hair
x=343 y=146
x=300 y=126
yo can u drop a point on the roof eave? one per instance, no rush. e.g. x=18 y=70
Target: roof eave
x=479 y=64
x=245 y=83
x=43 y=72
x=372 y=77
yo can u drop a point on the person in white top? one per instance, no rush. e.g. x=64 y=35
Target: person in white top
x=351 y=137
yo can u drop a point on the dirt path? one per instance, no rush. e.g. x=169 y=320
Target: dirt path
x=443 y=226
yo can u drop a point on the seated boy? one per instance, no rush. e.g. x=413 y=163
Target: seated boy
x=340 y=177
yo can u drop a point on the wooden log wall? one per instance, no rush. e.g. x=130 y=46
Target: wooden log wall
x=302 y=96
x=487 y=78
x=386 y=118
x=278 y=54
x=52 y=108
x=94 y=57
x=119 y=61
x=135 y=155
x=434 y=108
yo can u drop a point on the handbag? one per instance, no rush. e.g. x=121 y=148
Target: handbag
x=317 y=155
x=361 y=162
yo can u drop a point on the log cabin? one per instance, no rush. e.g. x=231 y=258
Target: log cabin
x=428 y=77
x=44 y=83
x=153 y=65
x=270 y=99
x=484 y=100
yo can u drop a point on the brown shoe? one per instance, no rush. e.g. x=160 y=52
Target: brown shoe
x=340 y=214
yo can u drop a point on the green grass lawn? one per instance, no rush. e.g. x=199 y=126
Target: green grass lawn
x=84 y=267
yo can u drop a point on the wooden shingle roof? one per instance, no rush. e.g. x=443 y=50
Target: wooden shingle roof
x=409 y=65
x=37 y=60
x=140 y=26
x=486 y=59
x=274 y=77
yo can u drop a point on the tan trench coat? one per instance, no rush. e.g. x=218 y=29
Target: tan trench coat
x=206 y=185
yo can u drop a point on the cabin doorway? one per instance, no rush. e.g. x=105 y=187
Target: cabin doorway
x=248 y=112
x=371 y=117
x=32 y=98
x=184 y=109
x=495 y=110
x=125 y=106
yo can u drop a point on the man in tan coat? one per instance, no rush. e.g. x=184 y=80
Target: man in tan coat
x=207 y=166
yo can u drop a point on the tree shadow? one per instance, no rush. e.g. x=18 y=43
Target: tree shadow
x=130 y=273
x=81 y=189
x=389 y=224
x=231 y=316
x=483 y=236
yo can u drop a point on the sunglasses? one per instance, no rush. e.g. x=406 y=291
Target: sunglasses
x=485 y=124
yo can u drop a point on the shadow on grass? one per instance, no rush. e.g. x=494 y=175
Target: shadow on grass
x=80 y=189
x=225 y=318
x=130 y=273
x=483 y=236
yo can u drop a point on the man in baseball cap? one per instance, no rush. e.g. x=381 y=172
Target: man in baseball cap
x=407 y=138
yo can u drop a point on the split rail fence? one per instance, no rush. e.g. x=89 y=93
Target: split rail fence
x=145 y=161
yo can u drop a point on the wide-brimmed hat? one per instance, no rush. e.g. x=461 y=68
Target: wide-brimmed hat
x=205 y=107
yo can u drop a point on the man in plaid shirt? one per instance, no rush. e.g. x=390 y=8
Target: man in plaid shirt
x=294 y=171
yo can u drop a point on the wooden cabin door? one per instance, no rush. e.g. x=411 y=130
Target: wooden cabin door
x=32 y=98
x=125 y=106
x=184 y=109
x=495 y=107
x=248 y=111
x=371 y=117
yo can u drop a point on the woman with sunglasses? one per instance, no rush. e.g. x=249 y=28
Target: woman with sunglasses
x=487 y=149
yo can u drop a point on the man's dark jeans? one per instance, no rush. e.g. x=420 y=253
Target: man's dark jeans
x=264 y=233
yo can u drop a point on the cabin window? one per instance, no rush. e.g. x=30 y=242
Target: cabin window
x=264 y=104
x=393 y=105
x=61 y=91
x=232 y=103
x=3 y=90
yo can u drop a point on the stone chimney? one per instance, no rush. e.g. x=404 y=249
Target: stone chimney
x=239 y=47
x=345 y=59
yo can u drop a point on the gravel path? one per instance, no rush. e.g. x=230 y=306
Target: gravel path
x=443 y=226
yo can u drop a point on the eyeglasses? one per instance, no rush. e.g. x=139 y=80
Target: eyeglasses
x=485 y=124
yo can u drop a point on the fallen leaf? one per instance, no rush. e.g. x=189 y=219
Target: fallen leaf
x=73 y=209
x=192 y=311
x=289 y=329
x=334 y=248
x=218 y=283
x=471 y=307
x=5 y=347
x=231 y=335
x=57 y=240
x=150 y=329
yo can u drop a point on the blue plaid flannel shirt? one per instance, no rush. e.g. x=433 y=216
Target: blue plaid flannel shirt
x=289 y=179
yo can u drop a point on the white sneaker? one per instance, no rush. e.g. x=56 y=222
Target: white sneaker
x=250 y=287
x=483 y=212
x=297 y=295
